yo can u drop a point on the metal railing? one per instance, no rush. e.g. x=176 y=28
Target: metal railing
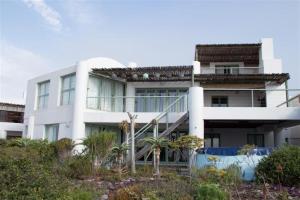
x=249 y=97
x=231 y=70
x=165 y=113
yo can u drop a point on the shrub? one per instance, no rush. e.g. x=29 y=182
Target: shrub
x=63 y=148
x=78 y=166
x=210 y=192
x=281 y=166
x=23 y=178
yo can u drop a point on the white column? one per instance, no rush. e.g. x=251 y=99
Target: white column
x=30 y=129
x=78 y=130
x=2 y=134
x=195 y=108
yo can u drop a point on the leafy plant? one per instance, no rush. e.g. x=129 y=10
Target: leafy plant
x=282 y=166
x=63 y=148
x=118 y=152
x=188 y=143
x=98 y=146
x=210 y=192
x=156 y=144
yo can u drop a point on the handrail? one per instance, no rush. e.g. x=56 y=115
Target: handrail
x=157 y=118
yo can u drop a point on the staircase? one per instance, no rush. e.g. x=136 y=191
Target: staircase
x=171 y=128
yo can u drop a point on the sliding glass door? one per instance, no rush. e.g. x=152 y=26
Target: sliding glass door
x=158 y=99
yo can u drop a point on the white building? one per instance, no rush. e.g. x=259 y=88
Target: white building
x=229 y=97
x=11 y=120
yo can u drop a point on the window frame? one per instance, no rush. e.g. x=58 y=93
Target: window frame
x=47 y=127
x=211 y=136
x=219 y=101
x=255 y=138
x=44 y=95
x=69 y=90
x=159 y=103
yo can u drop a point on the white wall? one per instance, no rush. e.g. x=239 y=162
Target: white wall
x=54 y=113
x=8 y=126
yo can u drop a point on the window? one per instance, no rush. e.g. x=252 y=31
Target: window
x=68 y=89
x=227 y=69
x=163 y=98
x=219 y=101
x=52 y=132
x=211 y=140
x=101 y=93
x=13 y=134
x=43 y=94
x=256 y=139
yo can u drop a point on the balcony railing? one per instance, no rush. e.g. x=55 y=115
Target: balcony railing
x=213 y=97
x=137 y=103
x=231 y=70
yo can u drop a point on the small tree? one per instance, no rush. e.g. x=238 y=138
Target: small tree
x=188 y=143
x=98 y=146
x=118 y=152
x=156 y=144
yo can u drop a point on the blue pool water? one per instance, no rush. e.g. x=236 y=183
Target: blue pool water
x=228 y=156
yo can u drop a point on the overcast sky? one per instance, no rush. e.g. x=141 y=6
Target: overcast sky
x=38 y=36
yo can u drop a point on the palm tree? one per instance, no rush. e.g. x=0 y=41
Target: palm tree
x=118 y=151
x=156 y=144
x=124 y=126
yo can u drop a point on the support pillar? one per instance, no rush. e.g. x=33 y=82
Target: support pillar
x=196 y=121
x=195 y=108
x=30 y=129
x=78 y=128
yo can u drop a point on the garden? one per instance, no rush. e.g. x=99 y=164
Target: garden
x=102 y=169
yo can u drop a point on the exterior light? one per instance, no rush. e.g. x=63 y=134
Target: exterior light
x=114 y=75
x=135 y=76
x=145 y=76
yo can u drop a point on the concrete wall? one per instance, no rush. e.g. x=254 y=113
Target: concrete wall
x=7 y=126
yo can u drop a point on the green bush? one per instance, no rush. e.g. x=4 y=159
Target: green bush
x=63 y=148
x=25 y=173
x=23 y=178
x=281 y=166
x=78 y=166
x=210 y=192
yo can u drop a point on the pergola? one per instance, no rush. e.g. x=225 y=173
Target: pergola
x=183 y=73
x=247 y=53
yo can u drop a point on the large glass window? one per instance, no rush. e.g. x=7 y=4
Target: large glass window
x=219 y=101
x=68 y=89
x=158 y=99
x=256 y=139
x=211 y=140
x=43 y=94
x=52 y=132
x=105 y=94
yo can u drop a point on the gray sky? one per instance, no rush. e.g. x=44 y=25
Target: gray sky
x=38 y=36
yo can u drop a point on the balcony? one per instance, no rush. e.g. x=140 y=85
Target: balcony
x=213 y=97
x=231 y=70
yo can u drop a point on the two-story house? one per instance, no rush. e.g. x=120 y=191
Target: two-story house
x=228 y=97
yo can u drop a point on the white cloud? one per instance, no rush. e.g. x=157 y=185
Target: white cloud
x=79 y=11
x=17 y=65
x=51 y=16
